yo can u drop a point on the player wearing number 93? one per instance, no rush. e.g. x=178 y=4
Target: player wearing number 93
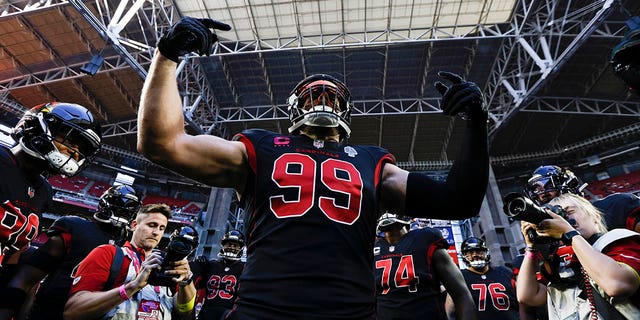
x=311 y=198
x=217 y=280
x=409 y=267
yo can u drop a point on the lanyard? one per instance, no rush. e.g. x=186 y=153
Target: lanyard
x=136 y=260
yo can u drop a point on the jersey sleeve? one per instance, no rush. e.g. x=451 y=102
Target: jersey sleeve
x=250 y=139
x=92 y=272
x=626 y=251
x=62 y=227
x=434 y=239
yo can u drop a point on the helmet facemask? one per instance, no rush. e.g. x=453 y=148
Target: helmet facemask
x=476 y=263
x=390 y=221
x=320 y=101
x=232 y=246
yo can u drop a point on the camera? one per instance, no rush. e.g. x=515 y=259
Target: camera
x=521 y=208
x=181 y=244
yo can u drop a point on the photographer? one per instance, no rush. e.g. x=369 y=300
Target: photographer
x=131 y=296
x=593 y=275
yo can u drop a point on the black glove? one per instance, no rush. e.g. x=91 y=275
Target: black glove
x=202 y=259
x=190 y=35
x=462 y=97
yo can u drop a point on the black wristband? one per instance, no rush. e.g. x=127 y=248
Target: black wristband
x=567 y=237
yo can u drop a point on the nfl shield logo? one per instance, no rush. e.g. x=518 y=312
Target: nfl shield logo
x=31 y=192
x=318 y=144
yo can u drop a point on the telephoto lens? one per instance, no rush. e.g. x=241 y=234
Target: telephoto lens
x=519 y=207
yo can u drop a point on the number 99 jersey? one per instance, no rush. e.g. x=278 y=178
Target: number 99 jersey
x=310 y=215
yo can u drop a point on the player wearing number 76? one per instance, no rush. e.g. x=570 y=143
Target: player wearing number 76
x=492 y=288
x=311 y=199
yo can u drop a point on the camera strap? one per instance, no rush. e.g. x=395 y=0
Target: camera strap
x=116 y=265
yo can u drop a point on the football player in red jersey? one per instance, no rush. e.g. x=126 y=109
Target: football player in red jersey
x=57 y=138
x=311 y=199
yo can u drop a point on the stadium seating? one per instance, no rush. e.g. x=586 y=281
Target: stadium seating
x=75 y=184
x=98 y=188
x=625 y=183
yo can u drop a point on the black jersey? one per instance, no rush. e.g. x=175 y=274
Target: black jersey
x=620 y=210
x=217 y=285
x=311 y=208
x=493 y=293
x=23 y=199
x=80 y=236
x=406 y=286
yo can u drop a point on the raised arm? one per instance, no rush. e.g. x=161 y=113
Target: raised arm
x=461 y=195
x=161 y=135
x=453 y=281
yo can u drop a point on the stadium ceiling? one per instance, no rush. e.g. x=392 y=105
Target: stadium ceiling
x=543 y=66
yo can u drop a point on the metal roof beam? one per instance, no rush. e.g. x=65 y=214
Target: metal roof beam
x=608 y=29
x=584 y=106
x=525 y=64
x=12 y=8
x=159 y=14
x=59 y=74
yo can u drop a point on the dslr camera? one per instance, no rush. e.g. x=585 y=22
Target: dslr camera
x=181 y=244
x=521 y=208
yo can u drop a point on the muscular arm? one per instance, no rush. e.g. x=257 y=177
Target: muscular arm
x=459 y=197
x=162 y=138
x=453 y=280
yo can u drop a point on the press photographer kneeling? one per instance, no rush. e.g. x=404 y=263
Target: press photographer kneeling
x=116 y=283
x=589 y=273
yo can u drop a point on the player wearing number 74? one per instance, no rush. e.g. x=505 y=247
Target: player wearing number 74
x=311 y=199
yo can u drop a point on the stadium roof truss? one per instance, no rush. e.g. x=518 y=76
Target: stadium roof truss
x=534 y=39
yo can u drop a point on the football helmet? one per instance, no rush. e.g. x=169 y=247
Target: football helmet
x=552 y=178
x=118 y=205
x=475 y=244
x=232 y=245
x=320 y=100
x=387 y=221
x=65 y=135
